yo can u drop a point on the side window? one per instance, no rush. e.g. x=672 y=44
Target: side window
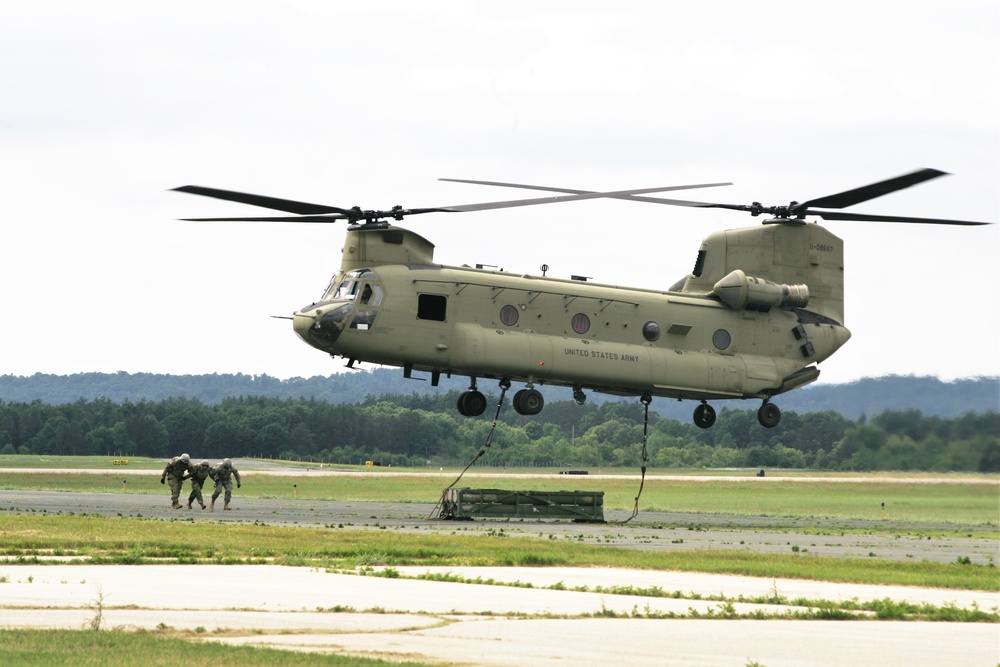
x=432 y=307
x=366 y=293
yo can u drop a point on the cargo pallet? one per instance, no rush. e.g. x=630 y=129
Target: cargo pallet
x=467 y=504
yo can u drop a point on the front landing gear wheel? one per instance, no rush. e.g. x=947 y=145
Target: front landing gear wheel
x=528 y=402
x=704 y=416
x=769 y=415
x=471 y=403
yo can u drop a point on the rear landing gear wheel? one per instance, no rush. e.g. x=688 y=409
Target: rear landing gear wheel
x=471 y=403
x=704 y=416
x=528 y=402
x=769 y=415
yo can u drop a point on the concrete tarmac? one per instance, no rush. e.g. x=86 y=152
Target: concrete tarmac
x=560 y=620
x=452 y=623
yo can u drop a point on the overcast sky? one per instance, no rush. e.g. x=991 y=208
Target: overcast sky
x=107 y=105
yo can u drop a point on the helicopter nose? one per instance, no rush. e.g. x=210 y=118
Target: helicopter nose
x=321 y=326
x=301 y=323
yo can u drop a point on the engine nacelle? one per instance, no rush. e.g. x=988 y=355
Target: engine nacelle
x=738 y=290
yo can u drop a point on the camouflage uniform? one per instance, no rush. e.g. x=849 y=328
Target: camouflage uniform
x=176 y=472
x=221 y=474
x=199 y=474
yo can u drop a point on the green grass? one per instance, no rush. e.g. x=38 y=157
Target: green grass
x=954 y=506
x=81 y=462
x=79 y=648
x=963 y=505
x=959 y=503
x=139 y=541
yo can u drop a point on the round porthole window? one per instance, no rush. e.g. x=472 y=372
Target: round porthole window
x=581 y=323
x=650 y=331
x=721 y=339
x=509 y=315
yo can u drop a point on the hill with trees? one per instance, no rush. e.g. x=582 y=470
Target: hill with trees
x=417 y=429
x=866 y=397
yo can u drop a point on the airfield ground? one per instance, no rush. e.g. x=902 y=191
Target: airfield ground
x=559 y=620
x=649 y=530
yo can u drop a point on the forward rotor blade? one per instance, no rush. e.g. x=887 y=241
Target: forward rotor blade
x=348 y=215
x=275 y=218
x=863 y=217
x=309 y=211
x=581 y=195
x=575 y=192
x=578 y=195
x=287 y=205
x=866 y=192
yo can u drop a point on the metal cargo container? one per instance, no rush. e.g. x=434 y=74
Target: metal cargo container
x=581 y=506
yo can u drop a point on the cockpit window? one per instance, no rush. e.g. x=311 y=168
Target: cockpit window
x=346 y=286
x=348 y=289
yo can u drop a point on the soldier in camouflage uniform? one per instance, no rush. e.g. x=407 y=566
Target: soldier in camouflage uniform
x=221 y=474
x=199 y=474
x=176 y=472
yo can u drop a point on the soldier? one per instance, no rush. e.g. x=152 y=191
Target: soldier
x=199 y=474
x=176 y=471
x=221 y=474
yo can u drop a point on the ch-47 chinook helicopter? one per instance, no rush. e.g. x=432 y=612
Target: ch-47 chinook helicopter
x=761 y=308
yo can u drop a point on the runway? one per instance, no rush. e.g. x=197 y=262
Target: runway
x=649 y=531
x=443 y=622
x=566 y=617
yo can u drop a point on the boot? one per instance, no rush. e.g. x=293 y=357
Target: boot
x=227 y=507
x=213 y=504
x=176 y=505
x=189 y=504
x=202 y=504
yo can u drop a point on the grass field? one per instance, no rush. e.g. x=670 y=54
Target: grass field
x=44 y=648
x=965 y=505
x=27 y=537
x=968 y=501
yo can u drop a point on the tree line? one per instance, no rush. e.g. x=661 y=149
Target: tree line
x=425 y=429
x=866 y=396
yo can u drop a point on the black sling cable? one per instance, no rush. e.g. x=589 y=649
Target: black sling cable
x=645 y=400
x=504 y=386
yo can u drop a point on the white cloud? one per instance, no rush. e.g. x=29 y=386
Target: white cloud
x=109 y=104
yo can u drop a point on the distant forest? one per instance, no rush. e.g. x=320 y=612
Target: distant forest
x=866 y=397
x=241 y=416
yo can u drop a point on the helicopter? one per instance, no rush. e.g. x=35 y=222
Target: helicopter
x=761 y=308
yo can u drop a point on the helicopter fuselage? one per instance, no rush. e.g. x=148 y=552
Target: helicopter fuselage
x=762 y=307
x=390 y=304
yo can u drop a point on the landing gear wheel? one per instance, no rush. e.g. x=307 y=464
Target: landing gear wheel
x=704 y=416
x=528 y=402
x=471 y=403
x=769 y=415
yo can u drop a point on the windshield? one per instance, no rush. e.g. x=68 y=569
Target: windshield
x=345 y=286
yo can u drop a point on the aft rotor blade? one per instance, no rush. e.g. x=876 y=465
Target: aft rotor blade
x=866 y=192
x=287 y=205
x=863 y=217
x=840 y=200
